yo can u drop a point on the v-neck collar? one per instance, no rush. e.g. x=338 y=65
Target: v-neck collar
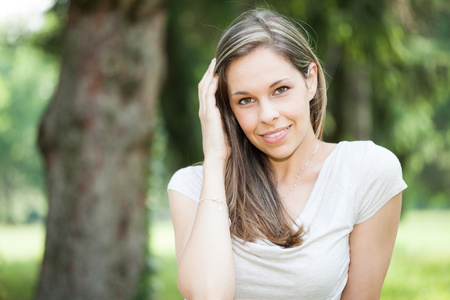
x=318 y=185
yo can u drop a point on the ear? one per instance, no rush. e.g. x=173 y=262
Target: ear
x=311 y=80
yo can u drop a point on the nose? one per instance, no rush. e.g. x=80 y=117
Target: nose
x=268 y=112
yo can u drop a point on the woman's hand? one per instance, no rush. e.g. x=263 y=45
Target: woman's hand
x=215 y=142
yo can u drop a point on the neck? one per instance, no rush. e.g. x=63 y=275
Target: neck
x=287 y=169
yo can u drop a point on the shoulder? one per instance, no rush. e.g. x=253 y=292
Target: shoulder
x=361 y=148
x=366 y=156
x=376 y=176
x=190 y=172
x=187 y=181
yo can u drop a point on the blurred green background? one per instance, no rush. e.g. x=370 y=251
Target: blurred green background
x=394 y=55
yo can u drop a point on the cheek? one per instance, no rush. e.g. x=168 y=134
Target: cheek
x=300 y=109
x=245 y=121
x=246 y=125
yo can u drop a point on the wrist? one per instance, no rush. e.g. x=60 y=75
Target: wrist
x=215 y=163
x=214 y=167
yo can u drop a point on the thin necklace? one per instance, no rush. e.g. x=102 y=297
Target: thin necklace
x=298 y=174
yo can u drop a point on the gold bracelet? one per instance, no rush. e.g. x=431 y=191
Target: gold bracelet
x=217 y=201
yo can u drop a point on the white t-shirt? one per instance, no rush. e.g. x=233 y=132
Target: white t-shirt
x=355 y=181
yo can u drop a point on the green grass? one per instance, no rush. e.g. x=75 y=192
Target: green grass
x=162 y=245
x=21 y=249
x=18 y=279
x=420 y=267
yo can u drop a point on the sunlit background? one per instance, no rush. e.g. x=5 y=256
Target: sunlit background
x=27 y=13
x=405 y=49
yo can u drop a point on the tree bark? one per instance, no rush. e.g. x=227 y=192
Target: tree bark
x=95 y=138
x=357 y=97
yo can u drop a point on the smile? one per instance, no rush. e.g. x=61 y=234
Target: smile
x=274 y=137
x=276 y=133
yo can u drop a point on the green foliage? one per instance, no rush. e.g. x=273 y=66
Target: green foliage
x=27 y=80
x=50 y=37
x=158 y=170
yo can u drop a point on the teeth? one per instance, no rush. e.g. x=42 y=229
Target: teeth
x=276 y=134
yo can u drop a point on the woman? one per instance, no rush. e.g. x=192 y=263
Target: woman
x=274 y=212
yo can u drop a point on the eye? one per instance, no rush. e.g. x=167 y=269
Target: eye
x=281 y=90
x=245 y=101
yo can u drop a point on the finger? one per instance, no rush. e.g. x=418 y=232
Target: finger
x=210 y=96
x=205 y=84
x=201 y=85
x=208 y=73
x=208 y=77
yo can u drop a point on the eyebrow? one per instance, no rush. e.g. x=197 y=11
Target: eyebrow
x=271 y=86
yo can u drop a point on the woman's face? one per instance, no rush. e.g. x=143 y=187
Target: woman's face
x=270 y=99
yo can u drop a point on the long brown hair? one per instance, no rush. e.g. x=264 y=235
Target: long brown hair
x=255 y=207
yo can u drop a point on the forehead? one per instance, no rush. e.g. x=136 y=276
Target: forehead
x=259 y=68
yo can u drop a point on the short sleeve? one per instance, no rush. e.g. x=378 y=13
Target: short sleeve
x=187 y=181
x=380 y=180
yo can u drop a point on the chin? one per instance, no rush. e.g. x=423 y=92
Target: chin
x=279 y=156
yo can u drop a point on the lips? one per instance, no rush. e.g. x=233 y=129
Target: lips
x=276 y=135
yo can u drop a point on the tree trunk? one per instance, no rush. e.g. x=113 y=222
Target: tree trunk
x=358 y=106
x=95 y=138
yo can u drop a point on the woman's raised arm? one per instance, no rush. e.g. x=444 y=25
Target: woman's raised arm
x=202 y=235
